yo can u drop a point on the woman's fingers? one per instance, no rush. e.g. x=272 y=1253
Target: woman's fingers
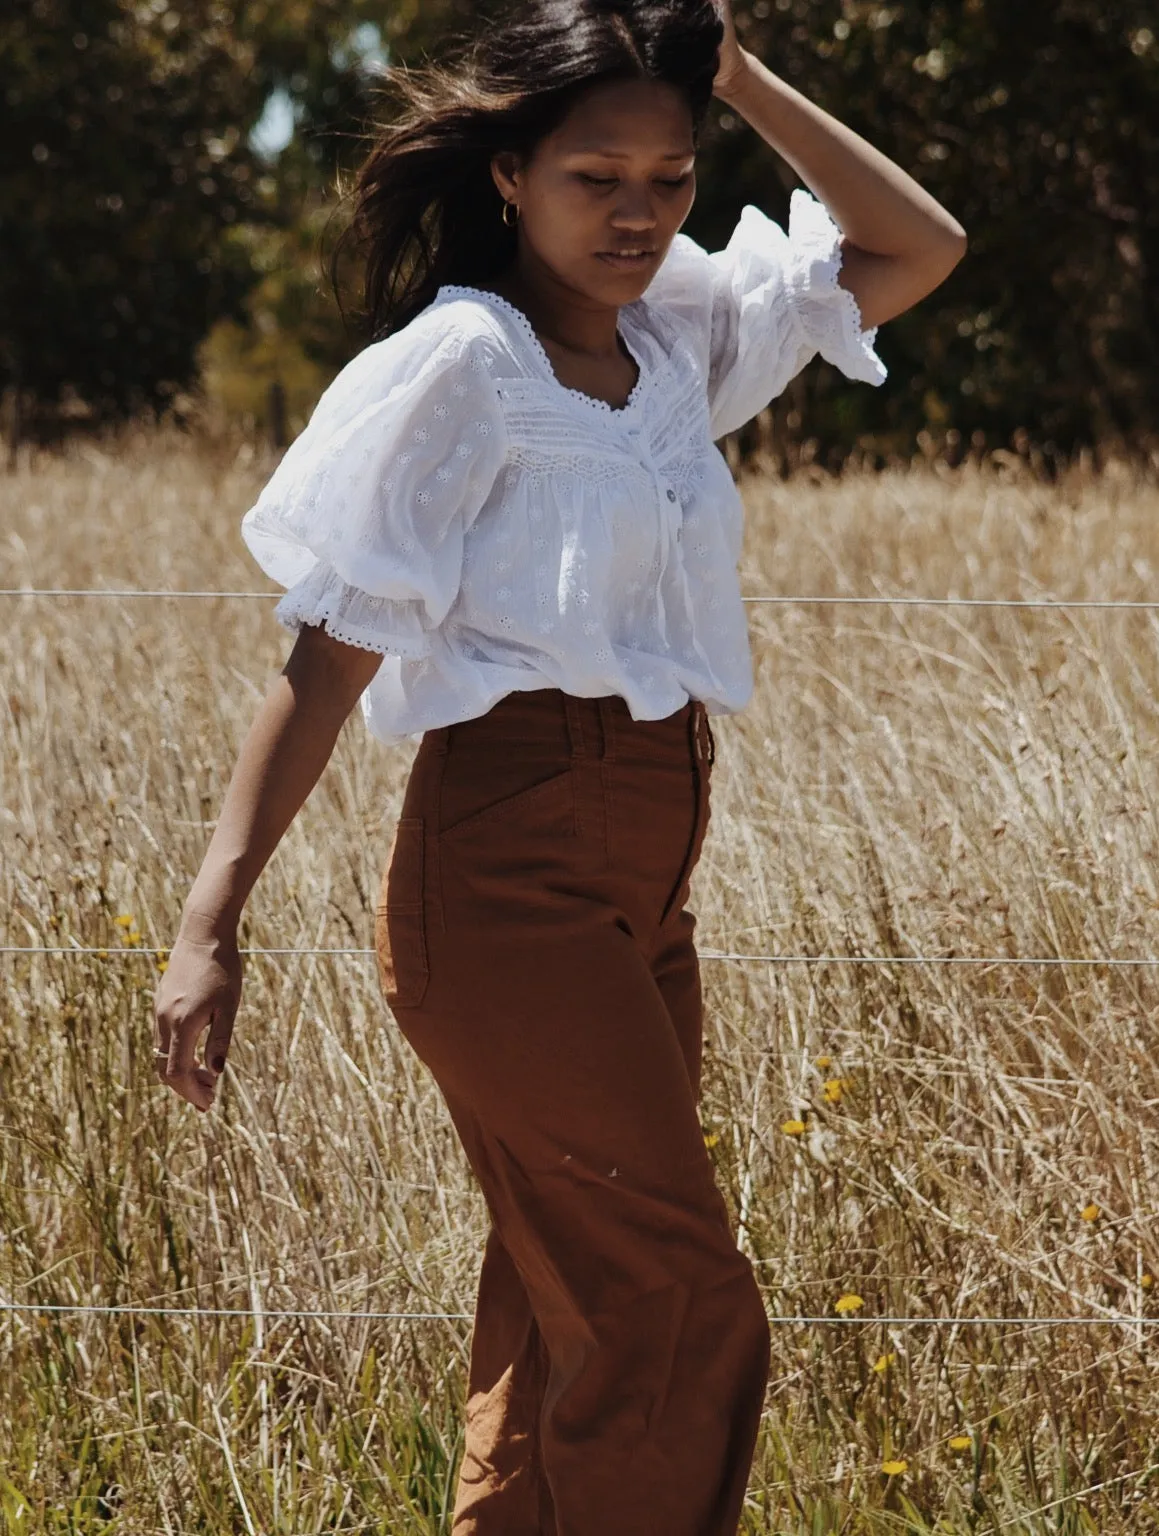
x=161 y=1033
x=731 y=57
x=201 y=991
x=220 y=1035
x=183 y=1073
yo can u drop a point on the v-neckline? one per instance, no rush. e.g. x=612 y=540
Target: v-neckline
x=521 y=320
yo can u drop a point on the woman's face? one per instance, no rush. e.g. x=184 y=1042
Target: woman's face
x=602 y=197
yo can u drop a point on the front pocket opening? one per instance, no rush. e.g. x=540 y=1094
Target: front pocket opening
x=518 y=802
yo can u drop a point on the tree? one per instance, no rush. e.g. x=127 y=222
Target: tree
x=134 y=215
x=131 y=202
x=124 y=168
x=1037 y=125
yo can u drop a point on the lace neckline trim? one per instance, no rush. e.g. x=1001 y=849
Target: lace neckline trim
x=528 y=330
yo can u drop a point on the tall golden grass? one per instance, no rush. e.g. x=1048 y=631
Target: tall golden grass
x=937 y=1140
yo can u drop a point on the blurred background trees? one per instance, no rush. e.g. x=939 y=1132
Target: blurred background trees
x=170 y=190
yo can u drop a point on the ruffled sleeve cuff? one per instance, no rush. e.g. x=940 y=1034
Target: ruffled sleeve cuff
x=829 y=315
x=388 y=626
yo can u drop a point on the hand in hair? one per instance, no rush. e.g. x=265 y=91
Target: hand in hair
x=732 y=57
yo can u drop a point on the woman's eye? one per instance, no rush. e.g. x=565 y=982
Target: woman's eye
x=680 y=181
x=597 y=181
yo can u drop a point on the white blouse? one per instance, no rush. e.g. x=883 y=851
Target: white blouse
x=453 y=506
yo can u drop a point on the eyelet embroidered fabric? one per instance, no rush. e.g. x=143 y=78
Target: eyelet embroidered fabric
x=453 y=507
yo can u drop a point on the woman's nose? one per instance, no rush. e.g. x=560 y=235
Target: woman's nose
x=635 y=211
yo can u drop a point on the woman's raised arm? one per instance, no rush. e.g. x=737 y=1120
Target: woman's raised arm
x=900 y=243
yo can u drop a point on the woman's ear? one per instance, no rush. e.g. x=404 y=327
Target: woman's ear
x=505 y=174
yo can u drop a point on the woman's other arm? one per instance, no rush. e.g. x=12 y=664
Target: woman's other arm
x=900 y=243
x=285 y=750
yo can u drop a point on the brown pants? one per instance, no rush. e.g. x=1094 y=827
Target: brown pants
x=534 y=947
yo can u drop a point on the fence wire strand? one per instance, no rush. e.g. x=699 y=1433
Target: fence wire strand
x=70 y=1309
x=1114 y=962
x=1062 y=604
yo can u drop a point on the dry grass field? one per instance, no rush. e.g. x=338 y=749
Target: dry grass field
x=941 y=1140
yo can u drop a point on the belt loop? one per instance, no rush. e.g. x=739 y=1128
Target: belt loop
x=575 y=726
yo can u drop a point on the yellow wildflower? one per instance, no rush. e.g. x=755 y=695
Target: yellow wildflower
x=1091 y=1212
x=162 y=965
x=894 y=1468
x=102 y=954
x=823 y=1062
x=711 y=1141
x=1147 y=1282
x=961 y=1443
x=883 y=1363
x=126 y=920
x=848 y=1303
x=161 y=954
x=793 y=1127
x=833 y=1090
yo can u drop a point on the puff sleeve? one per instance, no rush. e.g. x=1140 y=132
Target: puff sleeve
x=762 y=308
x=364 y=518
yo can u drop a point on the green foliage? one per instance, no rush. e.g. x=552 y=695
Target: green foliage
x=291 y=331
x=128 y=178
x=124 y=167
x=136 y=221
x=1037 y=126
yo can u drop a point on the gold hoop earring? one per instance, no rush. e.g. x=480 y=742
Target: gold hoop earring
x=509 y=208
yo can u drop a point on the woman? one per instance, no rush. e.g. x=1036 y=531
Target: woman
x=506 y=528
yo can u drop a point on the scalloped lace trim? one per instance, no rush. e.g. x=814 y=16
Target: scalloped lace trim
x=528 y=330
x=817 y=238
x=382 y=645
x=846 y=296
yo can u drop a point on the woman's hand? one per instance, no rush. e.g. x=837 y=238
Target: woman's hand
x=733 y=62
x=201 y=989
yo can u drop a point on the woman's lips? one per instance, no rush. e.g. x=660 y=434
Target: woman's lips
x=626 y=263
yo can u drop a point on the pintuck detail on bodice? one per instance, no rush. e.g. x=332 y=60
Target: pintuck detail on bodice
x=454 y=507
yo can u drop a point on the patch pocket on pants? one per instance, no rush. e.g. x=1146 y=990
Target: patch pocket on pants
x=400 y=923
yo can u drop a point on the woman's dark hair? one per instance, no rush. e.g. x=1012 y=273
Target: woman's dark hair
x=426 y=211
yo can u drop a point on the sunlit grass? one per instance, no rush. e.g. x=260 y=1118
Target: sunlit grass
x=894 y=1139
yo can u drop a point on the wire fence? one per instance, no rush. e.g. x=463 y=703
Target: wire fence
x=71 y=1309
x=43 y=1309
x=820 y=600
x=1140 y=962
x=1131 y=962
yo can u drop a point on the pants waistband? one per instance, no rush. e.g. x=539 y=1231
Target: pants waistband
x=599 y=728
